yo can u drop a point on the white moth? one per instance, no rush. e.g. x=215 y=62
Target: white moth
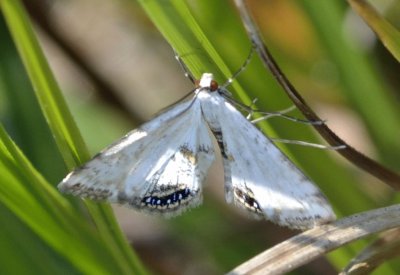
x=160 y=167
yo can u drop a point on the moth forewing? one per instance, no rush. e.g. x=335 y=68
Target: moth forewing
x=258 y=176
x=151 y=168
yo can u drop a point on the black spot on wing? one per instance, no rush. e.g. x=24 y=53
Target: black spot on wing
x=167 y=200
x=244 y=197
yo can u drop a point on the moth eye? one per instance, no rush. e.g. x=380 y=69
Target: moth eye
x=213 y=85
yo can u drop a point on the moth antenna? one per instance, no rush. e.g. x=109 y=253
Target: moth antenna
x=185 y=69
x=283 y=115
x=241 y=69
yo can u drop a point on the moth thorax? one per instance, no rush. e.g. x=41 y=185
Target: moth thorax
x=207 y=81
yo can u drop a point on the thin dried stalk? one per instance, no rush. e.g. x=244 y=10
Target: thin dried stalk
x=379 y=252
x=309 y=245
x=368 y=165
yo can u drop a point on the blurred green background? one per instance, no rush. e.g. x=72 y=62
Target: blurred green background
x=114 y=63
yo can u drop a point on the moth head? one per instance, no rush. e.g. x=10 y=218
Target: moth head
x=207 y=82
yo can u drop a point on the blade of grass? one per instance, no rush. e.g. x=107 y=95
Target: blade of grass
x=49 y=95
x=17 y=95
x=386 y=32
x=56 y=224
x=24 y=252
x=61 y=123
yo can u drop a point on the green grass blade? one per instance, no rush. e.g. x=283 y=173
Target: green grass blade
x=386 y=32
x=24 y=192
x=49 y=95
x=63 y=128
x=24 y=252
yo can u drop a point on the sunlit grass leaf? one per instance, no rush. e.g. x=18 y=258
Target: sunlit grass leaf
x=48 y=214
x=24 y=252
x=74 y=152
x=386 y=32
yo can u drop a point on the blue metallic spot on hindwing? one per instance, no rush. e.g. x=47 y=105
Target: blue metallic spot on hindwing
x=170 y=200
